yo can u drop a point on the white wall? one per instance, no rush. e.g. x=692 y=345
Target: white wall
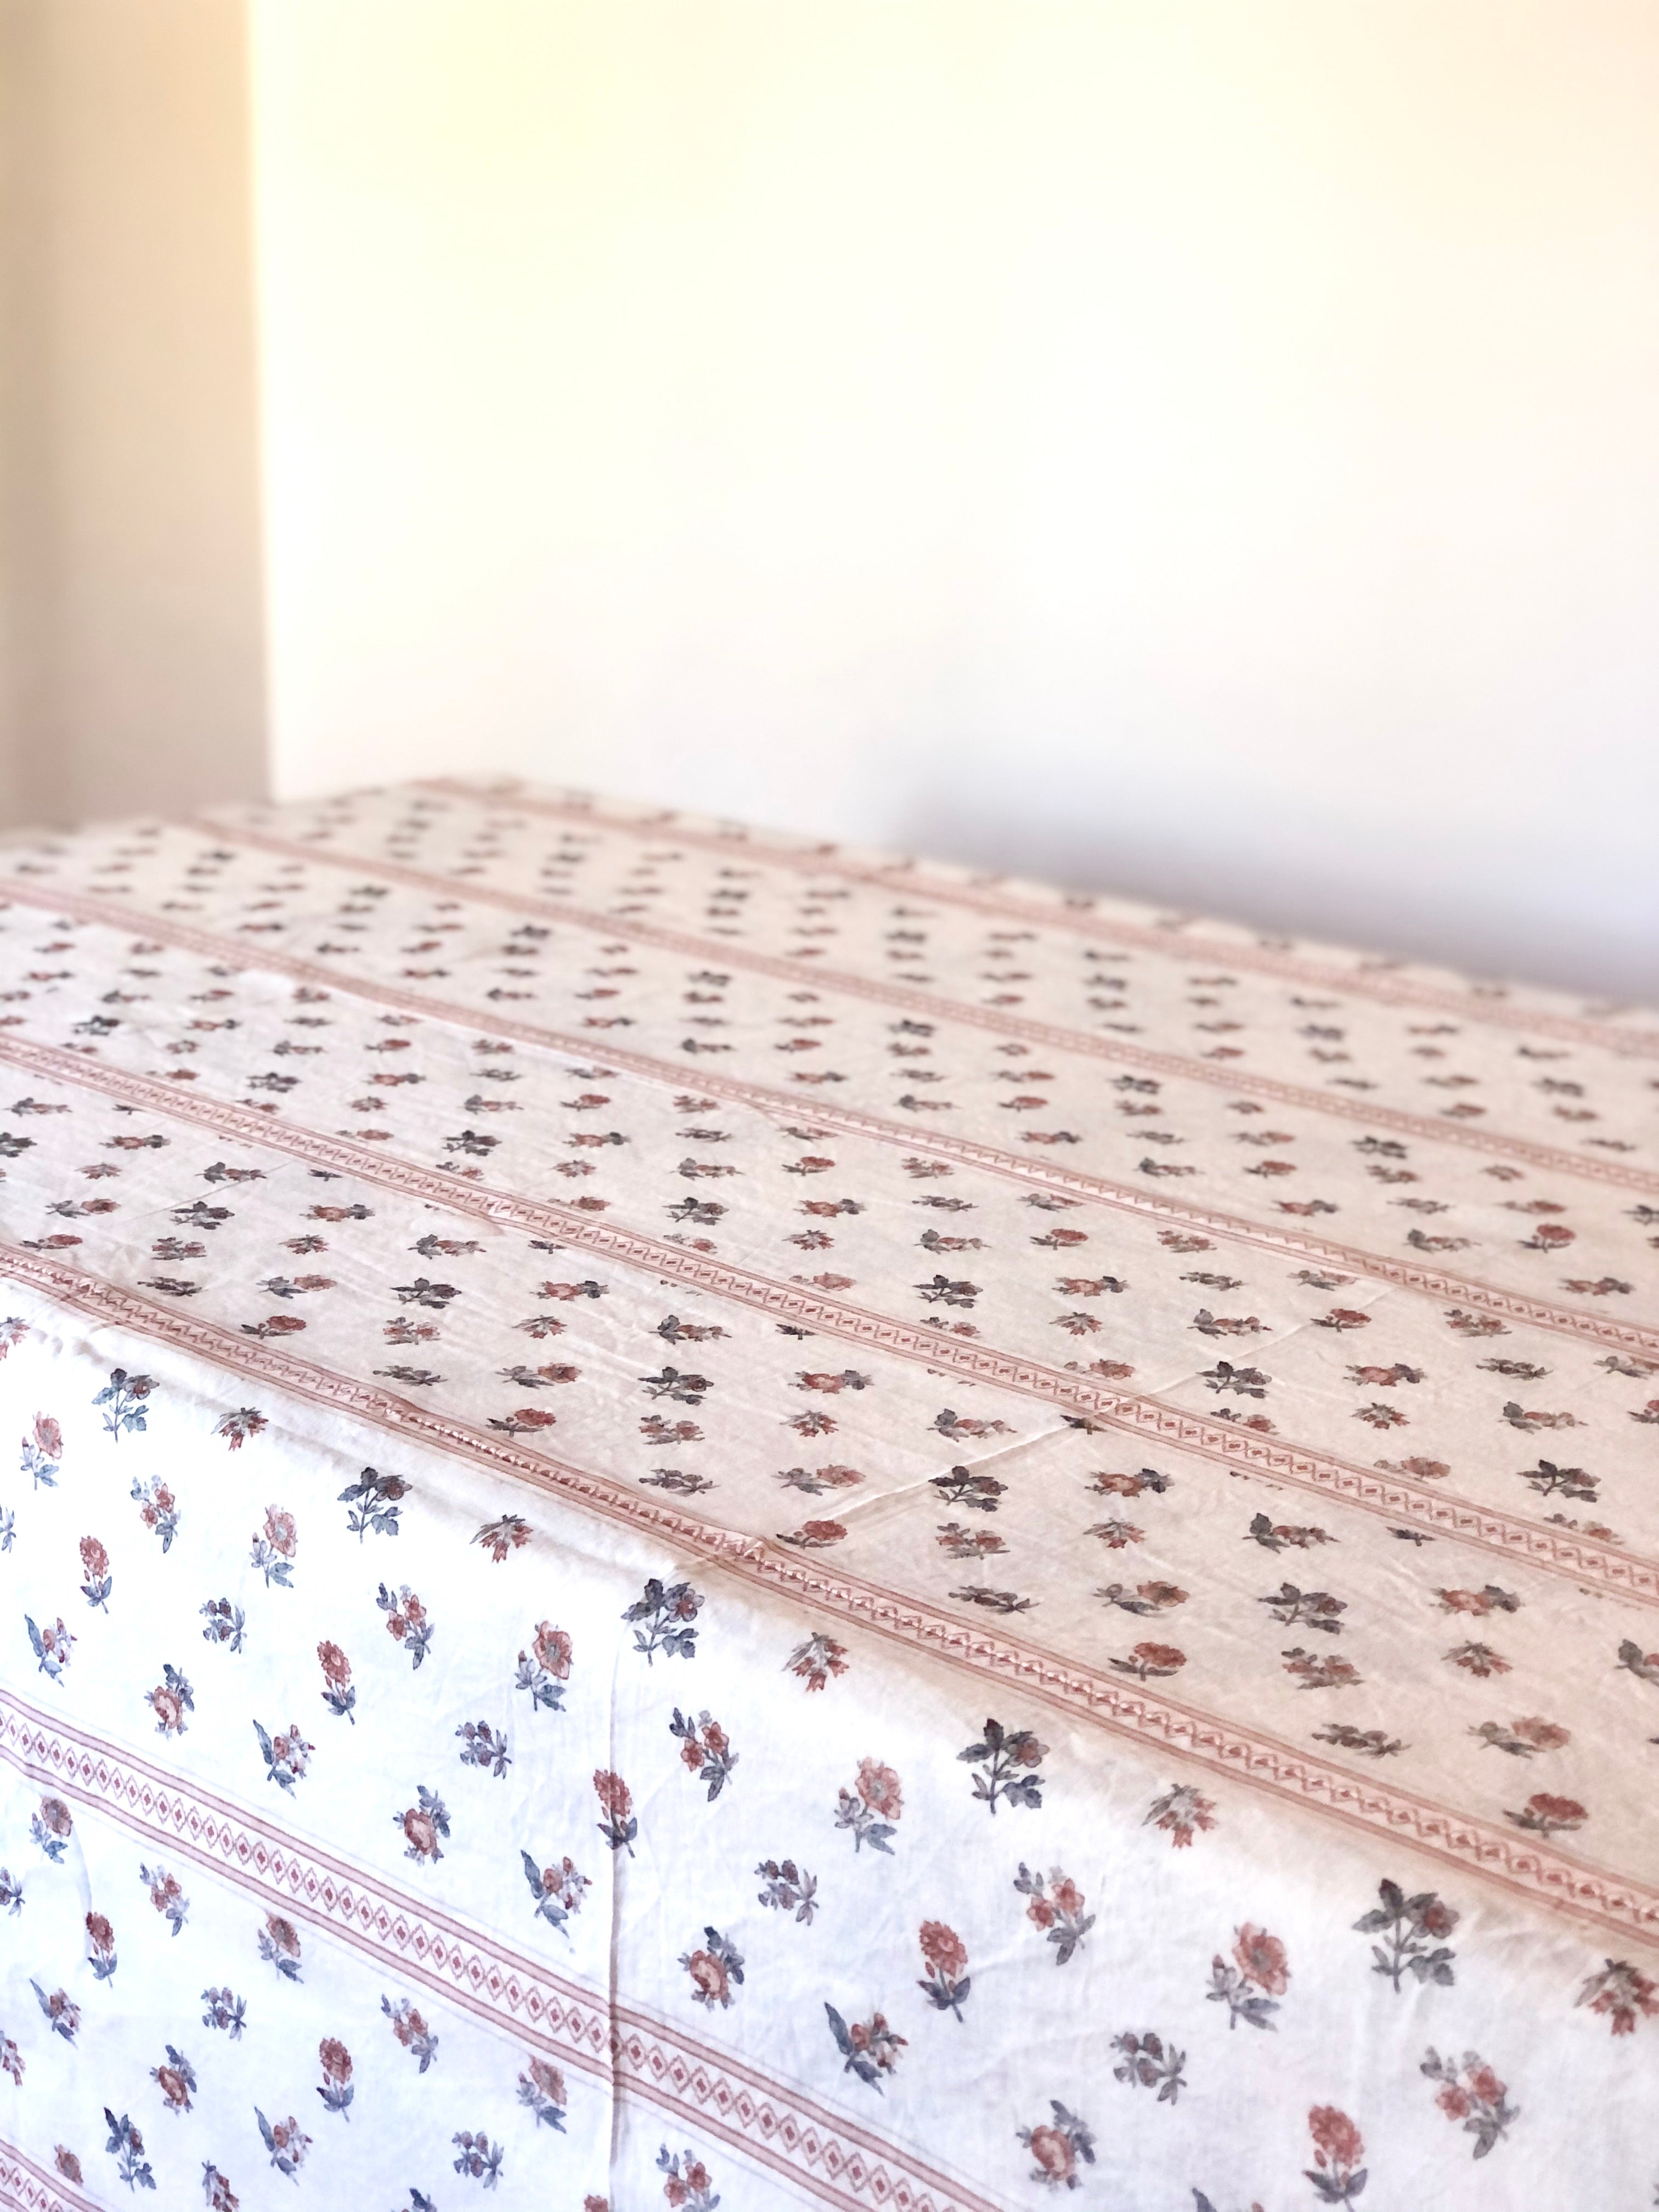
x=1205 y=448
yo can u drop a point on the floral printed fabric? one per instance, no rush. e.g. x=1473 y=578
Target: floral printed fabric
x=708 y=1522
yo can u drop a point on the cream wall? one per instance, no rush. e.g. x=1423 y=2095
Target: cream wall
x=132 y=594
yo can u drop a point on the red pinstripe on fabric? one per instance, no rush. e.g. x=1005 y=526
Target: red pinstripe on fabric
x=1556 y=1550
x=1611 y=1903
x=1050 y=1035
x=1070 y=913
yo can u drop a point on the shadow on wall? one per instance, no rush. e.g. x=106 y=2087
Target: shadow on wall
x=1301 y=882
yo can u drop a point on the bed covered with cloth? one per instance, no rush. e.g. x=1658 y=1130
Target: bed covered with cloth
x=700 y=1520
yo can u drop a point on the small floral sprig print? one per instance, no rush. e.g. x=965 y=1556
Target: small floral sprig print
x=978 y=1492
x=1370 y=1743
x=225 y=2012
x=688 y=2187
x=815 y=1660
x=789 y=1888
x=51 y=1827
x=1148 y=2062
x=123 y=1400
x=51 y=1646
x=287 y=2143
x=1319 y=1670
x=1275 y=1537
x=544 y=1669
x=869 y=2047
x=279 y=1946
x=557 y=1890
x=1412 y=1929
x=94 y=1566
x=7 y=1528
x=1007 y=1759
x=667 y=1612
x=1544 y=1815
x=1471 y=2093
x=1148 y=1598
x=1336 y=2173
x=501 y=1538
x=870 y=1807
x=1312 y=1608
x=1251 y=1982
x=236 y=1428
x=337 y=1692
x=480 y=2160
x=373 y=1503
x=406 y=1622
x=274 y=1546
x=216 y=2191
x=337 y=2089
x=176 y=2080
x=287 y=1754
x=484 y=1747
x=11 y=1893
x=125 y=2145
x=410 y=2028
x=62 y=2015
x=12 y=2062
x=423 y=1823
x=166 y=1895
x=43 y=1451
x=1620 y=1993
x=100 y=1947
x=1150 y=1662
x=226 y=1623
x=1057 y=2146
x=1523 y=1739
x=170 y=1700
x=1550 y=1480
x=542 y=2090
x=814 y=1536
x=1477 y=1659
x=1180 y=1814
x=617 y=1826
x=943 y=1954
x=158 y=1509
x=1056 y=1907
x=715 y=1968
x=705 y=1749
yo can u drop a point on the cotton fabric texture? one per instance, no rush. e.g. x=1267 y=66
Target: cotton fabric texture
x=701 y=1520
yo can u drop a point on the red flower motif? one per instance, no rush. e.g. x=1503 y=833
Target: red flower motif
x=552 y=1647
x=335 y=2060
x=1260 y=1958
x=337 y=1668
x=878 y=1786
x=48 y=1437
x=94 y=1559
x=708 y=1973
x=1336 y=2139
x=614 y=1795
x=1052 y=2154
x=941 y=1946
